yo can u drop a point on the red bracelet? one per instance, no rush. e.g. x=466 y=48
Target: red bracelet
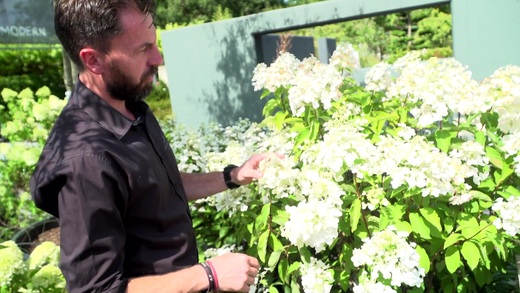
x=214 y=274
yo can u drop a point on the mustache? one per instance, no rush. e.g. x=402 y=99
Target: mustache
x=152 y=72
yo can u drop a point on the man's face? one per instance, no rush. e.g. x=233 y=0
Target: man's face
x=122 y=87
x=133 y=59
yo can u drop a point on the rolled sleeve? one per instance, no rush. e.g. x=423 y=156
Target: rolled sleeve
x=91 y=211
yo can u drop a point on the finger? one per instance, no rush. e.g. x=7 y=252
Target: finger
x=252 y=272
x=253 y=262
x=250 y=281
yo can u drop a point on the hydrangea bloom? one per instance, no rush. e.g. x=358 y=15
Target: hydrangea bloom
x=316 y=277
x=509 y=218
x=387 y=253
x=11 y=261
x=345 y=57
x=48 y=276
x=214 y=252
x=45 y=253
x=279 y=74
x=504 y=87
x=313 y=223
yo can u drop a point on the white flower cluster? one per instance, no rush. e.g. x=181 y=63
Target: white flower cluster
x=352 y=150
x=310 y=82
x=214 y=252
x=345 y=57
x=375 y=197
x=504 y=87
x=316 y=277
x=313 y=223
x=387 y=254
x=279 y=177
x=432 y=87
x=367 y=285
x=419 y=164
x=509 y=217
x=11 y=261
x=45 y=253
x=278 y=74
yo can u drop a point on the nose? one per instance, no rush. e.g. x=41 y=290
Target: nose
x=156 y=58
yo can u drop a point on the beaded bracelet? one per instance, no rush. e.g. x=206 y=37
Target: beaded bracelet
x=211 y=279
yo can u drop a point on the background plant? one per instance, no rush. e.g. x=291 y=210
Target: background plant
x=27 y=118
x=37 y=272
x=422 y=156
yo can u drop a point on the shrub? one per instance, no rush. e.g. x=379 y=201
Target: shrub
x=26 y=122
x=406 y=185
x=38 y=273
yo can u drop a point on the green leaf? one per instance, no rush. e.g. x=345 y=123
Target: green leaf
x=262 y=245
x=263 y=217
x=433 y=218
x=355 y=214
x=403 y=226
x=279 y=119
x=452 y=239
x=471 y=254
x=272 y=289
x=480 y=195
x=314 y=130
x=305 y=254
x=443 y=139
x=293 y=267
x=275 y=242
x=419 y=225
x=269 y=107
x=424 y=260
x=495 y=157
x=273 y=259
x=282 y=270
x=452 y=259
x=480 y=137
x=302 y=137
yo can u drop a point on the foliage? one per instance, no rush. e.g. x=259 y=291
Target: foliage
x=389 y=37
x=26 y=121
x=406 y=185
x=159 y=101
x=32 y=67
x=38 y=273
x=193 y=11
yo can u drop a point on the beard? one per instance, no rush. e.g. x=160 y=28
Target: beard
x=121 y=86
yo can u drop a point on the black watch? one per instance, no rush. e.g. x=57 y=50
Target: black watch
x=227 y=177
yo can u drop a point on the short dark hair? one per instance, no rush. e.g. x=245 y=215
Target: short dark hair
x=81 y=23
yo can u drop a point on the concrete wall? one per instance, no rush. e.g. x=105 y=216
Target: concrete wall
x=486 y=34
x=210 y=66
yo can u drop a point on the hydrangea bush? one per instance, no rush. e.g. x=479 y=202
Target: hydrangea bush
x=37 y=273
x=406 y=184
x=24 y=126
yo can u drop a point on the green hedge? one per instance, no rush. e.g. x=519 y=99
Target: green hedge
x=31 y=67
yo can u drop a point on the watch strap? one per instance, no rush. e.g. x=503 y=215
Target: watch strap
x=227 y=177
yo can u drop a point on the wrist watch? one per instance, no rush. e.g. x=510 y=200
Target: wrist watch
x=227 y=177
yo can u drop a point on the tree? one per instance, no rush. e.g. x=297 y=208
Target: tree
x=191 y=11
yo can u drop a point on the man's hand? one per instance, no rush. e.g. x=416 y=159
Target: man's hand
x=236 y=272
x=249 y=171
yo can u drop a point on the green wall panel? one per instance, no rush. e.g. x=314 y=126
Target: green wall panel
x=210 y=66
x=486 y=34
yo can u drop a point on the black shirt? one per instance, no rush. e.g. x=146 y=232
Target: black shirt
x=116 y=189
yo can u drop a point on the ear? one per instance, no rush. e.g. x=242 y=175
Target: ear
x=91 y=60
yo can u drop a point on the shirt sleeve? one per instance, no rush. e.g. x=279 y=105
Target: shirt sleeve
x=92 y=205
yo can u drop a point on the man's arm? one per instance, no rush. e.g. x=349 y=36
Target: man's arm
x=235 y=272
x=205 y=184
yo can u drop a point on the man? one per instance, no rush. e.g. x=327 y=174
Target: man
x=108 y=173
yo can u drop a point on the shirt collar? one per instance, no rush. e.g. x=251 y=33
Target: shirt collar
x=103 y=113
